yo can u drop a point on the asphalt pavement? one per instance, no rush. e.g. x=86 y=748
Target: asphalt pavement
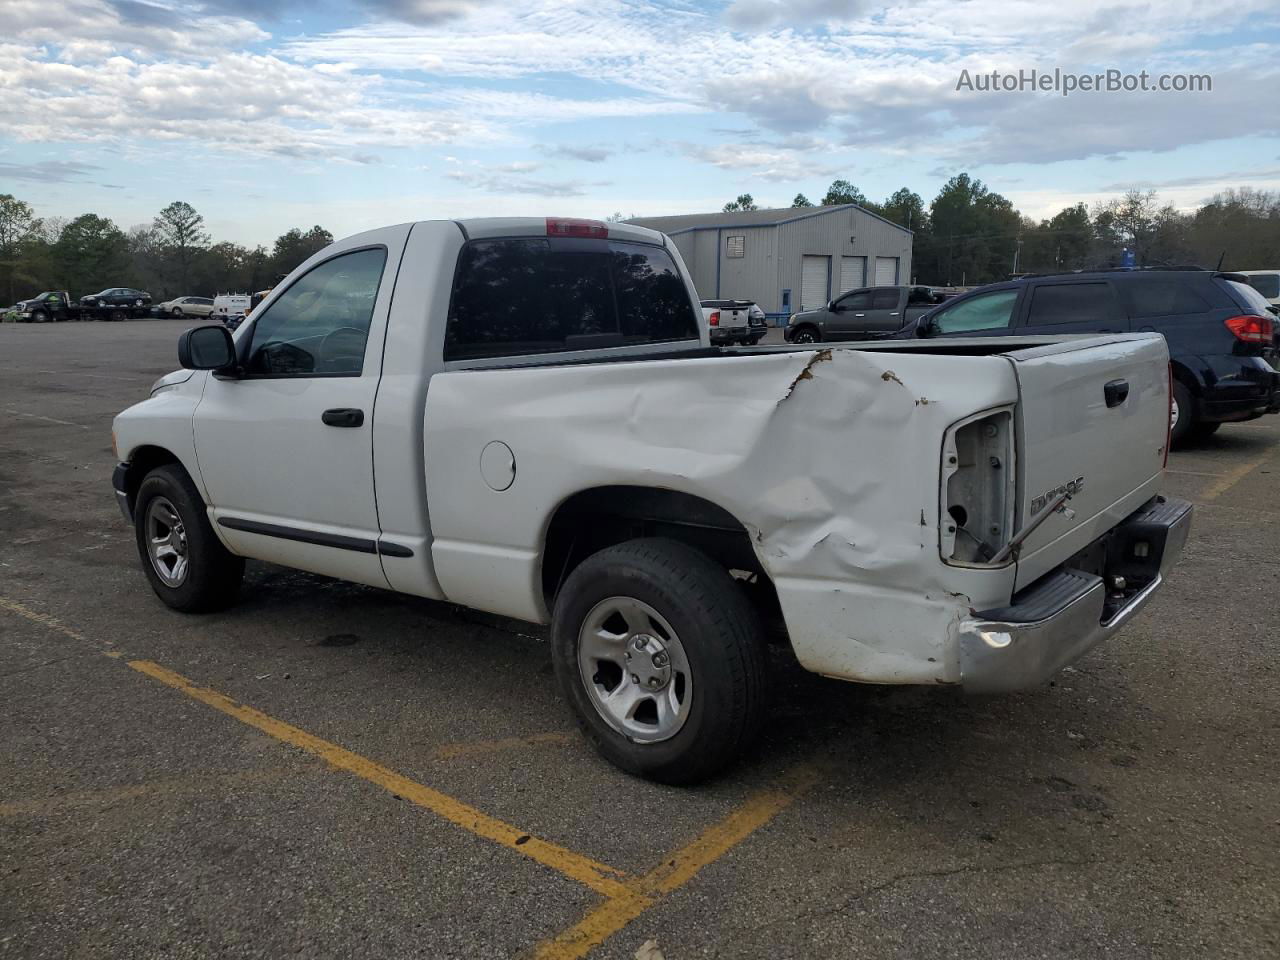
x=328 y=770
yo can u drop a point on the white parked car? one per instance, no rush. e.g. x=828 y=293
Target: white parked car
x=1266 y=282
x=187 y=307
x=230 y=305
x=555 y=440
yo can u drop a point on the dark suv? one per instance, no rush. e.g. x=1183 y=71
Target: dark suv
x=1220 y=331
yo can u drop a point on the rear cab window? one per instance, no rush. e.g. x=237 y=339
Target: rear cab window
x=529 y=295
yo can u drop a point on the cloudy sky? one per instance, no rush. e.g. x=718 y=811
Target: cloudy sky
x=265 y=114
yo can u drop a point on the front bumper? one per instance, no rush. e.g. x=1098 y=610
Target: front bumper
x=1066 y=613
x=119 y=483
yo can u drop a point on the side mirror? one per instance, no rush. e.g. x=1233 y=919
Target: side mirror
x=831 y=306
x=925 y=327
x=206 y=348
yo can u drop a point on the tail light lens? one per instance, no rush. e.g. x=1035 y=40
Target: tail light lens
x=1250 y=329
x=1168 y=420
x=714 y=318
x=589 y=229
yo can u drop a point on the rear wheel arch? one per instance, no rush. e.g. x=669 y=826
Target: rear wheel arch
x=599 y=517
x=1187 y=376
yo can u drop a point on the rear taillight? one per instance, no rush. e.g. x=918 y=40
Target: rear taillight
x=714 y=318
x=1168 y=419
x=1250 y=329
x=590 y=229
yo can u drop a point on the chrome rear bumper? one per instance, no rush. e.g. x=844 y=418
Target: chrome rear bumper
x=1068 y=612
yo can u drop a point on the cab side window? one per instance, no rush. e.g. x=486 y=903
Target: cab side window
x=855 y=301
x=986 y=311
x=318 y=327
x=885 y=299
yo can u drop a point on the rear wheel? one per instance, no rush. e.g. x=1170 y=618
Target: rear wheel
x=1203 y=430
x=189 y=569
x=1182 y=414
x=661 y=658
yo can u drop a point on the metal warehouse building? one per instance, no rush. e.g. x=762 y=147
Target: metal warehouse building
x=791 y=259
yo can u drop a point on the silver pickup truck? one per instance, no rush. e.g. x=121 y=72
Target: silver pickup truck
x=526 y=417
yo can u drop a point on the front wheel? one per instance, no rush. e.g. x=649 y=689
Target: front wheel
x=176 y=311
x=661 y=658
x=189 y=568
x=39 y=316
x=805 y=335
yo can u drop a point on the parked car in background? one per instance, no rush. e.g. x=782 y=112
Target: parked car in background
x=46 y=307
x=1220 y=331
x=231 y=308
x=1266 y=282
x=863 y=314
x=117 y=303
x=734 y=321
x=187 y=307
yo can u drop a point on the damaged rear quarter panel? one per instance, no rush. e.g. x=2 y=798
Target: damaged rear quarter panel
x=829 y=459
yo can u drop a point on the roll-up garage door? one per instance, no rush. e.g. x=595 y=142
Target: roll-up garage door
x=813 y=282
x=853 y=273
x=886 y=271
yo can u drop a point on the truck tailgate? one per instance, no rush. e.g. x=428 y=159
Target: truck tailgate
x=1093 y=419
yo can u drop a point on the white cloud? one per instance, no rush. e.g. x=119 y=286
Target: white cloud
x=882 y=76
x=93 y=29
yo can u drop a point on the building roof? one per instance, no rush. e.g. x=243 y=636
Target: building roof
x=746 y=218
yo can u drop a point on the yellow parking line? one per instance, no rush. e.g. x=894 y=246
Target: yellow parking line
x=1232 y=477
x=597 y=876
x=626 y=898
x=679 y=868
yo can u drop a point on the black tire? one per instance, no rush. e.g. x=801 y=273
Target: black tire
x=806 y=335
x=1203 y=430
x=176 y=311
x=721 y=639
x=1187 y=409
x=39 y=316
x=213 y=573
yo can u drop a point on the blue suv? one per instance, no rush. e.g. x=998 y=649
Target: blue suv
x=1221 y=332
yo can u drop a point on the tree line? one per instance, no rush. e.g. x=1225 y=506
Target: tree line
x=970 y=234
x=171 y=256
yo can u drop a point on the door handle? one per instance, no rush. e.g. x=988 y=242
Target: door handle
x=1116 y=392
x=894 y=314
x=859 y=314
x=343 y=417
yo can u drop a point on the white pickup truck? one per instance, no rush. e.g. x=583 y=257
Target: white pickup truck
x=526 y=417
